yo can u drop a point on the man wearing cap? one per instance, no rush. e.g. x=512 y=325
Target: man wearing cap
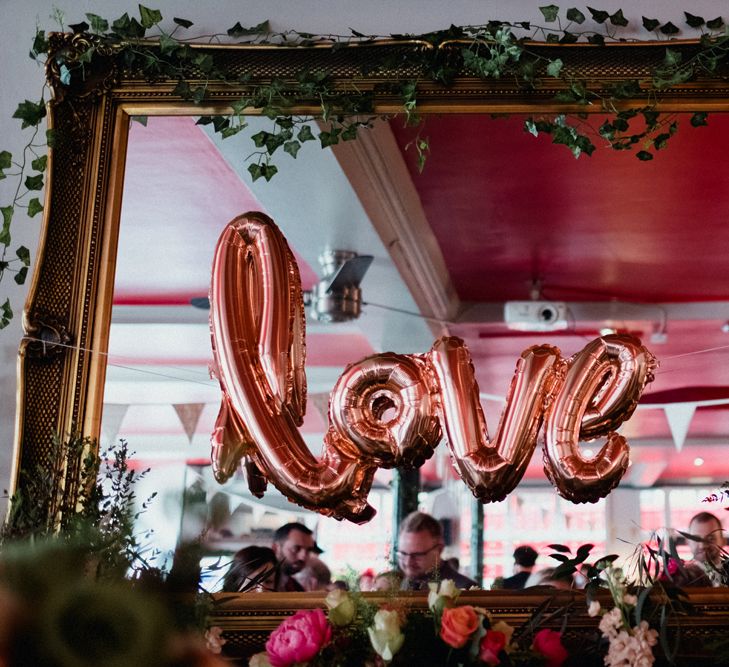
x=292 y=544
x=524 y=559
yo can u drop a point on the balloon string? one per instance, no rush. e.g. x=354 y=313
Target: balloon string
x=208 y=382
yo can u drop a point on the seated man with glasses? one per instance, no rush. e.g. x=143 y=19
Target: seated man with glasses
x=419 y=548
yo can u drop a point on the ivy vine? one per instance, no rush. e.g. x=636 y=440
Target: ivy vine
x=493 y=50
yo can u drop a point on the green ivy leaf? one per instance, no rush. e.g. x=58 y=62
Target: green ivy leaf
x=329 y=138
x=239 y=31
x=150 y=17
x=6 y=160
x=568 y=38
x=715 y=24
x=596 y=39
x=618 y=19
x=7 y=314
x=669 y=29
x=34 y=207
x=650 y=24
x=183 y=22
x=554 y=68
x=98 y=24
x=21 y=275
x=259 y=139
x=550 y=12
x=661 y=141
x=644 y=156
x=598 y=15
x=255 y=171
x=198 y=95
x=575 y=15
x=204 y=61
x=292 y=147
x=305 y=134
x=694 y=21
x=672 y=58
x=40 y=44
x=31 y=113
x=552 y=38
x=142 y=120
x=651 y=118
x=34 y=182
x=167 y=44
x=699 y=119
x=7 y=212
x=39 y=164
x=23 y=255
x=227 y=132
x=268 y=171
x=51 y=138
x=79 y=27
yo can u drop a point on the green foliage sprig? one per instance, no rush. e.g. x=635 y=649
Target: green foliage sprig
x=102 y=519
x=495 y=49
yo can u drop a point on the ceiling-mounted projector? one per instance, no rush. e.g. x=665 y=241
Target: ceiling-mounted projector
x=535 y=315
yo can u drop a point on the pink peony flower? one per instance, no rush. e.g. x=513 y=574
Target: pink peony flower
x=492 y=643
x=458 y=624
x=298 y=638
x=549 y=644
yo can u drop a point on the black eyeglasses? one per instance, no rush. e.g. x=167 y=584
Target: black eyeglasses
x=416 y=555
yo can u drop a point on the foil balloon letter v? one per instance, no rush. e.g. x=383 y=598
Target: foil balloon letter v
x=391 y=410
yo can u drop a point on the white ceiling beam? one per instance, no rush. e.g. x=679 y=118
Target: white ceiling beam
x=379 y=176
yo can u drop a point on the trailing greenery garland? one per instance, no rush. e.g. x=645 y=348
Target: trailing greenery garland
x=493 y=50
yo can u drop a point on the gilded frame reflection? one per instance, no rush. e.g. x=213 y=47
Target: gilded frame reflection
x=68 y=310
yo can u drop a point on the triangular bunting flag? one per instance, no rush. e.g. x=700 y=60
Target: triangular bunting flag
x=189 y=414
x=111 y=421
x=679 y=416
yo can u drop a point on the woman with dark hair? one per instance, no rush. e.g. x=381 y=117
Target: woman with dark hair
x=254 y=569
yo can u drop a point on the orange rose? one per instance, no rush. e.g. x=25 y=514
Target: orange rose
x=458 y=624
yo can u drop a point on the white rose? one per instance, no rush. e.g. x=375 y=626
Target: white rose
x=385 y=636
x=341 y=607
x=446 y=589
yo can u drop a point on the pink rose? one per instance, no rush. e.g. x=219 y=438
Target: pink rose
x=492 y=643
x=298 y=638
x=672 y=566
x=549 y=644
x=458 y=624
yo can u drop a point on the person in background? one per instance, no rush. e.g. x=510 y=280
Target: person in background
x=524 y=558
x=293 y=543
x=546 y=577
x=316 y=576
x=387 y=581
x=708 y=550
x=419 y=548
x=366 y=580
x=254 y=569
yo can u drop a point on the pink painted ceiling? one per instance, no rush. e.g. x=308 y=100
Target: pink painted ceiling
x=601 y=227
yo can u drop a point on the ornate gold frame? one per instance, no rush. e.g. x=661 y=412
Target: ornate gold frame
x=68 y=311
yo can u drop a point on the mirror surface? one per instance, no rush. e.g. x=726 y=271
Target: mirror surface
x=496 y=216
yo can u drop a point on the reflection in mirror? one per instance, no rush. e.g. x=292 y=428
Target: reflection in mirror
x=497 y=216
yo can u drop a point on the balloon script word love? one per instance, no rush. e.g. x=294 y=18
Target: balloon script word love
x=391 y=410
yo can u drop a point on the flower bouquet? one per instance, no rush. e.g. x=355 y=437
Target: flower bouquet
x=354 y=632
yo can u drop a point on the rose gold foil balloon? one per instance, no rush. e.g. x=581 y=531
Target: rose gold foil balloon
x=257 y=329
x=492 y=468
x=600 y=391
x=386 y=405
